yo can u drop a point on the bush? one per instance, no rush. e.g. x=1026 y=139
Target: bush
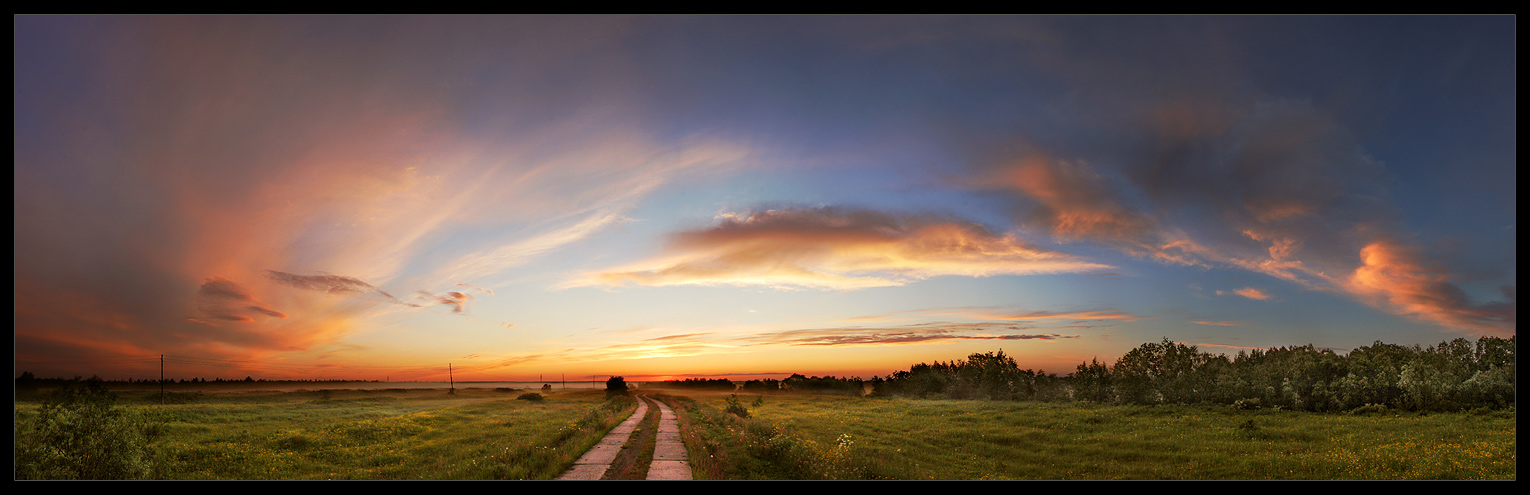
x=533 y=396
x=737 y=408
x=616 y=386
x=80 y=433
x=1368 y=409
x=1246 y=404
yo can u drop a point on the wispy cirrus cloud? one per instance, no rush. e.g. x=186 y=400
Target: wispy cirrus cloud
x=1085 y=315
x=327 y=283
x=354 y=287
x=457 y=300
x=837 y=248
x=903 y=334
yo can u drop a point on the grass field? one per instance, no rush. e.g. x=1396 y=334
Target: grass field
x=825 y=436
x=375 y=434
x=489 y=434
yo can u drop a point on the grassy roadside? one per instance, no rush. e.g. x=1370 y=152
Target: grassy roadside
x=724 y=446
x=803 y=436
x=374 y=434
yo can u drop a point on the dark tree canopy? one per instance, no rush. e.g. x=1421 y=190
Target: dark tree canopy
x=616 y=385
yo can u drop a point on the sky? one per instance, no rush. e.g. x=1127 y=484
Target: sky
x=519 y=198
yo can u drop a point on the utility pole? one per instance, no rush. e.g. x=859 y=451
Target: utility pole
x=450 y=379
x=161 y=379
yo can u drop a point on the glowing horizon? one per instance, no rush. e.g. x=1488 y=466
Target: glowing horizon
x=370 y=197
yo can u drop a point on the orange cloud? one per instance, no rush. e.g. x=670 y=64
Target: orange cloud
x=1392 y=275
x=832 y=248
x=1249 y=292
x=1074 y=201
x=1052 y=315
x=457 y=300
x=911 y=334
x=1287 y=177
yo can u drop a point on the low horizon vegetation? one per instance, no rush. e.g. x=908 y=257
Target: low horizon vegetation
x=1457 y=375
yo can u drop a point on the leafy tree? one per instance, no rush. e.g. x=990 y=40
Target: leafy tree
x=1426 y=387
x=1092 y=382
x=1139 y=373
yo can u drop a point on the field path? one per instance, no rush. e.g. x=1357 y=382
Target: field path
x=669 y=459
x=593 y=464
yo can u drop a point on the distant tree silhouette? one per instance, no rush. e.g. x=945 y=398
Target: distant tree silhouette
x=26 y=381
x=616 y=385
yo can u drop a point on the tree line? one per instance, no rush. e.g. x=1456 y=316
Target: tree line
x=1454 y=375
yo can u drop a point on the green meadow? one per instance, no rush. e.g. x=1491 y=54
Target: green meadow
x=365 y=434
x=491 y=434
x=798 y=436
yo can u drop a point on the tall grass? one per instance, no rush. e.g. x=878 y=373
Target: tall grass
x=725 y=444
x=792 y=436
x=385 y=434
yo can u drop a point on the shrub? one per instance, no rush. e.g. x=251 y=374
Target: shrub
x=1368 y=409
x=616 y=386
x=80 y=433
x=533 y=396
x=737 y=408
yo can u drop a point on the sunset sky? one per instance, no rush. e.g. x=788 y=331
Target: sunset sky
x=653 y=197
